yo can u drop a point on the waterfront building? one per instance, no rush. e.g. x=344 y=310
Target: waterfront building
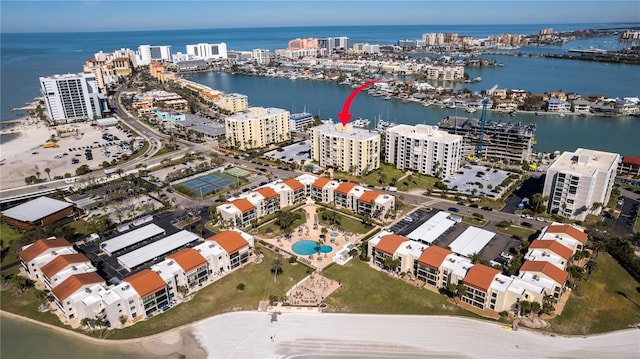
x=448 y=73
x=72 y=97
x=257 y=127
x=300 y=53
x=64 y=266
x=424 y=149
x=38 y=212
x=233 y=102
x=626 y=107
x=309 y=43
x=152 y=291
x=261 y=56
x=208 y=51
x=345 y=148
x=69 y=295
x=239 y=212
x=105 y=73
x=630 y=166
x=429 y=266
x=194 y=269
x=147 y=53
x=237 y=246
x=300 y=121
x=333 y=44
x=558 y=105
x=550 y=251
x=38 y=254
x=576 y=181
x=581 y=106
x=366 y=48
x=503 y=141
x=568 y=235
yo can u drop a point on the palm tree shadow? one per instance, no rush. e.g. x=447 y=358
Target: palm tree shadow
x=629 y=299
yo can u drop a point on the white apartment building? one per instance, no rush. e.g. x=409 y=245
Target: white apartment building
x=148 y=53
x=577 y=180
x=424 y=149
x=233 y=102
x=449 y=73
x=345 y=148
x=72 y=97
x=208 y=51
x=261 y=56
x=257 y=127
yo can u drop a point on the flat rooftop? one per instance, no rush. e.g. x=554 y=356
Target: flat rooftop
x=471 y=241
x=297 y=152
x=156 y=249
x=585 y=161
x=348 y=131
x=130 y=238
x=425 y=132
x=36 y=209
x=433 y=228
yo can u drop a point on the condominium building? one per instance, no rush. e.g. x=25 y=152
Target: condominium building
x=233 y=102
x=72 y=97
x=333 y=44
x=345 y=148
x=578 y=180
x=502 y=140
x=424 y=149
x=208 y=51
x=261 y=56
x=257 y=127
x=300 y=121
x=148 y=53
x=309 y=43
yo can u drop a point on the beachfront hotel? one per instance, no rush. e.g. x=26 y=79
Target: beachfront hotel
x=257 y=127
x=345 y=148
x=208 y=51
x=578 y=180
x=72 y=97
x=502 y=140
x=148 y=53
x=424 y=149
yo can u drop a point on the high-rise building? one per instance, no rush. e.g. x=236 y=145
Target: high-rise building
x=261 y=56
x=148 y=53
x=208 y=51
x=424 y=149
x=233 y=102
x=333 y=44
x=345 y=148
x=72 y=97
x=578 y=180
x=257 y=127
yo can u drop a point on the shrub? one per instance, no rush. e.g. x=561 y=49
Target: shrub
x=240 y=287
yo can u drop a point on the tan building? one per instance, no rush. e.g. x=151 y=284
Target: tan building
x=257 y=127
x=233 y=102
x=345 y=148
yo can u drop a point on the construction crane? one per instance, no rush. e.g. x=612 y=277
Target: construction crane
x=483 y=118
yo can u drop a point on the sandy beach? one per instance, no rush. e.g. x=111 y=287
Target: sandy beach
x=24 y=156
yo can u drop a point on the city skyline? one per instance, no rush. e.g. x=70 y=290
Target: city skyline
x=90 y=16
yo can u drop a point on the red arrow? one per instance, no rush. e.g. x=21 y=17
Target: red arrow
x=344 y=115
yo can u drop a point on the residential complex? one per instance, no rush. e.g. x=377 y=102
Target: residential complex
x=208 y=51
x=233 y=102
x=72 y=97
x=257 y=127
x=580 y=182
x=147 y=53
x=300 y=121
x=345 y=148
x=424 y=149
x=502 y=140
x=277 y=195
x=80 y=292
x=541 y=276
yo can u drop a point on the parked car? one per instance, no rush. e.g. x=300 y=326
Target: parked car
x=453 y=209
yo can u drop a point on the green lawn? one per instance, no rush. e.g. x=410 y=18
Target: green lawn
x=417 y=181
x=272 y=230
x=366 y=290
x=609 y=301
x=474 y=221
x=524 y=233
x=8 y=235
x=346 y=224
x=382 y=177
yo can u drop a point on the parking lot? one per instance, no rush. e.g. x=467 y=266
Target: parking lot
x=628 y=213
x=298 y=152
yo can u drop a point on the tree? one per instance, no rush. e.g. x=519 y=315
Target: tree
x=391 y=263
x=276 y=268
x=575 y=273
x=535 y=307
x=597 y=247
x=525 y=307
x=590 y=266
x=123 y=320
x=461 y=290
x=538 y=202
x=547 y=304
x=48 y=172
x=475 y=257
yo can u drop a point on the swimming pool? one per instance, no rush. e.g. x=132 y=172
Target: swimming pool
x=307 y=247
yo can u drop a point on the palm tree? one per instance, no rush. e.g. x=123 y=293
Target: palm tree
x=48 y=172
x=525 y=307
x=590 y=266
x=536 y=307
x=276 y=267
x=475 y=257
x=461 y=290
x=597 y=247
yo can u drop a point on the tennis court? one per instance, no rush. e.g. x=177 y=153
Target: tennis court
x=238 y=172
x=209 y=183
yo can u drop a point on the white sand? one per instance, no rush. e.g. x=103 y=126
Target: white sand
x=247 y=335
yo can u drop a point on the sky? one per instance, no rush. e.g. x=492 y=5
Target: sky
x=117 y=15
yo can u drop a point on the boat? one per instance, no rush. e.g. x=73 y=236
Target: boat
x=471 y=109
x=590 y=50
x=387 y=97
x=477 y=79
x=361 y=123
x=451 y=105
x=561 y=114
x=382 y=126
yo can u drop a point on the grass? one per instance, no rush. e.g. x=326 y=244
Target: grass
x=272 y=229
x=163 y=151
x=417 y=180
x=373 y=178
x=475 y=221
x=369 y=291
x=347 y=224
x=8 y=235
x=609 y=301
x=522 y=232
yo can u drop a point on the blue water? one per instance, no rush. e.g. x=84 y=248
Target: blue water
x=334 y=234
x=307 y=247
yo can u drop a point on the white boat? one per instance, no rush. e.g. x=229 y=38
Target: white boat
x=387 y=97
x=361 y=123
x=561 y=114
x=382 y=126
x=451 y=105
x=471 y=109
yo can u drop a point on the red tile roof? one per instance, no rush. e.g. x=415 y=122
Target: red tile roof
x=369 y=196
x=267 y=192
x=480 y=276
x=146 y=282
x=294 y=184
x=570 y=230
x=546 y=268
x=230 y=241
x=345 y=187
x=321 y=182
x=40 y=246
x=554 y=246
x=61 y=262
x=72 y=284
x=433 y=256
x=390 y=243
x=243 y=205
x=631 y=160
x=188 y=259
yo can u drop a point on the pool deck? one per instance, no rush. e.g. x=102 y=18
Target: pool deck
x=307 y=231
